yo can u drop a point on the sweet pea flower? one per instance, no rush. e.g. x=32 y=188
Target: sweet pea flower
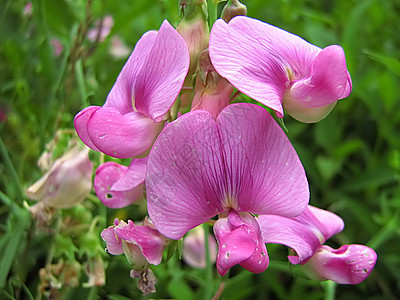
x=305 y=234
x=279 y=69
x=131 y=118
x=237 y=165
x=141 y=244
x=118 y=186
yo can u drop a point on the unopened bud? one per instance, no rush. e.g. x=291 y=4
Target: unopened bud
x=232 y=9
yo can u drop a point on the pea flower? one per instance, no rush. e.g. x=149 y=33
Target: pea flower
x=279 y=69
x=142 y=244
x=118 y=186
x=237 y=166
x=305 y=234
x=131 y=118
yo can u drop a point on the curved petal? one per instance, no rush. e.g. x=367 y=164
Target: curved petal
x=198 y=168
x=81 y=121
x=134 y=176
x=350 y=264
x=194 y=249
x=114 y=244
x=149 y=240
x=263 y=170
x=121 y=136
x=163 y=73
x=106 y=175
x=327 y=82
x=183 y=167
x=239 y=242
x=259 y=59
x=121 y=95
x=304 y=233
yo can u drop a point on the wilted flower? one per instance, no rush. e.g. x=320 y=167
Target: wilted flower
x=238 y=165
x=194 y=248
x=67 y=183
x=131 y=118
x=232 y=9
x=118 y=186
x=305 y=234
x=279 y=69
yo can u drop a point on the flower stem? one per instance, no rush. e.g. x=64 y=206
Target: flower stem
x=212 y=11
x=330 y=289
x=209 y=274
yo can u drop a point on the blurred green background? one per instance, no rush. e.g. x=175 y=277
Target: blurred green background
x=352 y=158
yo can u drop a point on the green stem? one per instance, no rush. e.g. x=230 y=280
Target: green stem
x=209 y=271
x=212 y=11
x=330 y=289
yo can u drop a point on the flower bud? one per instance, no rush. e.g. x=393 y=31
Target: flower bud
x=212 y=92
x=67 y=183
x=194 y=29
x=232 y=9
x=194 y=249
x=350 y=264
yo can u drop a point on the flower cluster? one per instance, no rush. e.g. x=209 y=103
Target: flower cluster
x=224 y=159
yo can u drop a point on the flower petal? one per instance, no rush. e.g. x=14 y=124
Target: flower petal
x=80 y=122
x=163 y=73
x=350 y=264
x=121 y=95
x=239 y=242
x=106 y=175
x=134 y=176
x=327 y=82
x=149 y=240
x=304 y=233
x=182 y=171
x=258 y=58
x=114 y=244
x=121 y=136
x=264 y=173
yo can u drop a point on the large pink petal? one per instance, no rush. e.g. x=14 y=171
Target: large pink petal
x=304 y=233
x=81 y=121
x=149 y=240
x=259 y=59
x=163 y=73
x=184 y=170
x=327 y=82
x=198 y=168
x=350 y=264
x=263 y=172
x=108 y=174
x=121 y=95
x=121 y=136
x=134 y=176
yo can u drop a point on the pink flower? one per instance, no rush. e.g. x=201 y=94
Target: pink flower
x=118 y=186
x=279 y=69
x=194 y=249
x=131 y=118
x=141 y=244
x=305 y=234
x=241 y=163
